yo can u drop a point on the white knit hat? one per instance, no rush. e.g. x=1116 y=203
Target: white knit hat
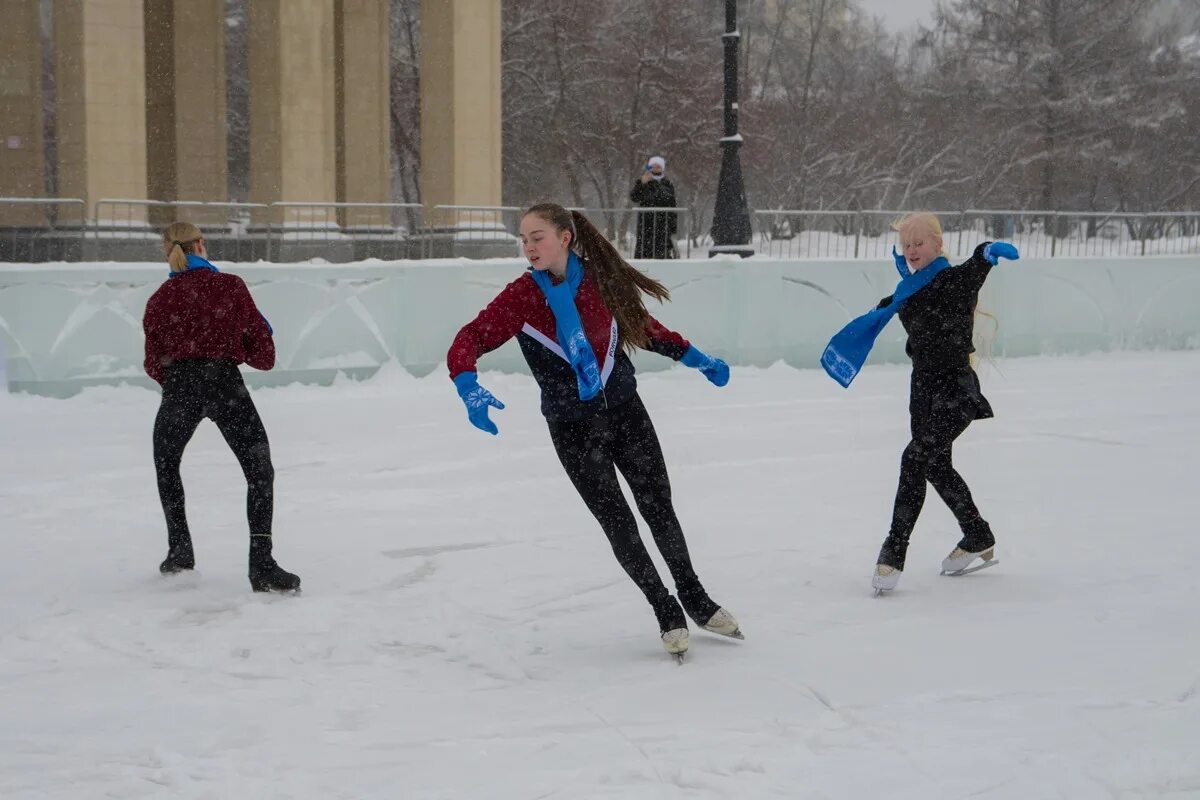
x=659 y=160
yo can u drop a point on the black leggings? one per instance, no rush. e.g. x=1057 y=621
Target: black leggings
x=624 y=438
x=193 y=390
x=940 y=414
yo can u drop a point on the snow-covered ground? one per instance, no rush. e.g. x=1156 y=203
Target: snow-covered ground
x=464 y=631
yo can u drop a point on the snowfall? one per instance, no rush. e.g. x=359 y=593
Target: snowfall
x=465 y=632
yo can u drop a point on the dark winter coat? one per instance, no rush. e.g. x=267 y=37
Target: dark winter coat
x=940 y=320
x=205 y=314
x=521 y=310
x=655 y=229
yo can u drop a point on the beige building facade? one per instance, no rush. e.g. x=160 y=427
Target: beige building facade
x=140 y=90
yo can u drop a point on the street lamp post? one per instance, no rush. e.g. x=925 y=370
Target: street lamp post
x=731 y=216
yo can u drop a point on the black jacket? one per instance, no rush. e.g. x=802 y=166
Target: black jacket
x=940 y=320
x=655 y=229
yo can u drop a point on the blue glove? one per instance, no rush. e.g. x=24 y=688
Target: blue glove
x=998 y=250
x=476 y=399
x=901 y=263
x=716 y=370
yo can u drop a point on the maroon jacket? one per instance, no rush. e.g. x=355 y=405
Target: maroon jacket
x=205 y=314
x=521 y=310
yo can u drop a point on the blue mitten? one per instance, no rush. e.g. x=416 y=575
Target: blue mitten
x=901 y=263
x=476 y=399
x=998 y=250
x=716 y=370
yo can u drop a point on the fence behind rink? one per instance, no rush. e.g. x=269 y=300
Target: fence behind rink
x=34 y=229
x=1037 y=234
x=60 y=229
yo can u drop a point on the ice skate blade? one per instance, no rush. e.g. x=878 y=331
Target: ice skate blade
x=679 y=659
x=968 y=570
x=285 y=592
x=722 y=623
x=735 y=634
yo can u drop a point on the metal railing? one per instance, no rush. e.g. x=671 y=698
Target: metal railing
x=662 y=229
x=124 y=229
x=644 y=232
x=36 y=229
x=44 y=229
x=1043 y=234
x=343 y=231
x=284 y=231
x=471 y=231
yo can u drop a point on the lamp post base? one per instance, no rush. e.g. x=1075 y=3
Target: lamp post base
x=743 y=250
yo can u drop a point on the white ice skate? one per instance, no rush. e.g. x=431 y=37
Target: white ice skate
x=884 y=579
x=723 y=624
x=675 y=642
x=959 y=561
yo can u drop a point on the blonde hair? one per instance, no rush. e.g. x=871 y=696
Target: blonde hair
x=922 y=219
x=983 y=339
x=178 y=239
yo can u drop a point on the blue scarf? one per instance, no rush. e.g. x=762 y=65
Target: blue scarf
x=194 y=262
x=569 y=328
x=847 y=351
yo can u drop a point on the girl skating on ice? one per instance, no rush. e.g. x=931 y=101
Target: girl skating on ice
x=936 y=304
x=199 y=325
x=575 y=313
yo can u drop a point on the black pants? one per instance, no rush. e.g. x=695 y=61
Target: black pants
x=194 y=390
x=623 y=438
x=941 y=408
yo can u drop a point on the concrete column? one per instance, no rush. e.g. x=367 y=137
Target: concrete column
x=100 y=76
x=292 y=109
x=363 y=88
x=460 y=103
x=185 y=104
x=22 y=169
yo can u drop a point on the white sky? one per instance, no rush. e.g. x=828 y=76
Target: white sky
x=898 y=14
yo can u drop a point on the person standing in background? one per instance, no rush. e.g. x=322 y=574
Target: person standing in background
x=655 y=229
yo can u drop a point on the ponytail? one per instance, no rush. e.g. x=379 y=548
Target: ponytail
x=177 y=258
x=621 y=285
x=178 y=239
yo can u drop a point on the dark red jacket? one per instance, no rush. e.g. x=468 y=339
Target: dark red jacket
x=521 y=310
x=205 y=314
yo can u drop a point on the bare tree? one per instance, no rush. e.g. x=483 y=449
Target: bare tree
x=1063 y=73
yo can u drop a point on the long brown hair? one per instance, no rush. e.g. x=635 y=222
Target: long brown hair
x=621 y=285
x=179 y=239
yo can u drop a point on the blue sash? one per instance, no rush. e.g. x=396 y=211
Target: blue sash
x=847 y=351
x=569 y=328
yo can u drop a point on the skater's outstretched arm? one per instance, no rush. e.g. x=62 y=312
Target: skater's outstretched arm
x=500 y=321
x=666 y=342
x=969 y=276
x=495 y=325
